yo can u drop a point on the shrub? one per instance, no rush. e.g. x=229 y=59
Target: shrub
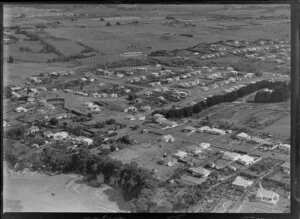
x=10 y=59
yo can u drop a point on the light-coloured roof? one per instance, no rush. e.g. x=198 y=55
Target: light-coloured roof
x=240 y=181
x=265 y=193
x=286 y=165
x=200 y=170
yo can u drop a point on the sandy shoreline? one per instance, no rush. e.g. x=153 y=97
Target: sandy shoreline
x=37 y=192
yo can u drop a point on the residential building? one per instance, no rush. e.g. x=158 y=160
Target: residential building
x=189 y=129
x=199 y=171
x=169 y=161
x=204 y=145
x=194 y=149
x=232 y=156
x=33 y=129
x=60 y=135
x=285 y=147
x=130 y=109
x=267 y=196
x=21 y=109
x=48 y=134
x=130 y=117
x=85 y=140
x=246 y=159
x=242 y=183
x=167 y=138
x=243 y=136
x=146 y=108
x=179 y=155
x=286 y=167
x=167 y=123
x=140 y=116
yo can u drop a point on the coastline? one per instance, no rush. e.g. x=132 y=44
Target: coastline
x=28 y=191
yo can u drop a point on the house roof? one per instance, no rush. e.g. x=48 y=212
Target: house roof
x=168 y=136
x=240 y=181
x=286 y=165
x=265 y=193
x=230 y=155
x=200 y=170
x=243 y=134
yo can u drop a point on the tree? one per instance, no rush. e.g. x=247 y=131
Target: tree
x=8 y=92
x=118 y=23
x=110 y=121
x=108 y=24
x=10 y=59
x=90 y=115
x=132 y=96
x=53 y=121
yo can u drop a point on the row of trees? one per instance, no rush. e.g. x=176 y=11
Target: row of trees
x=217 y=99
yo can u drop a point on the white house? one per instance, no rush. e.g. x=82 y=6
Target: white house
x=140 y=116
x=130 y=117
x=267 y=196
x=33 y=129
x=246 y=159
x=286 y=167
x=243 y=136
x=167 y=138
x=180 y=155
x=194 y=149
x=130 y=109
x=204 y=145
x=82 y=139
x=285 y=147
x=21 y=109
x=240 y=182
x=60 y=135
x=232 y=156
x=199 y=171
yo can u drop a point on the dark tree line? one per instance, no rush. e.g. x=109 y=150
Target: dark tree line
x=280 y=93
x=228 y=97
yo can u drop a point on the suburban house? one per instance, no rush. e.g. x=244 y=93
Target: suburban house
x=157 y=116
x=243 y=136
x=189 y=129
x=286 y=167
x=179 y=155
x=213 y=131
x=267 y=196
x=256 y=140
x=48 y=134
x=21 y=109
x=33 y=129
x=199 y=171
x=140 y=116
x=246 y=159
x=204 y=145
x=285 y=147
x=167 y=138
x=232 y=156
x=82 y=139
x=194 y=149
x=130 y=109
x=242 y=183
x=130 y=117
x=60 y=135
x=146 y=108
x=169 y=161
x=167 y=123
